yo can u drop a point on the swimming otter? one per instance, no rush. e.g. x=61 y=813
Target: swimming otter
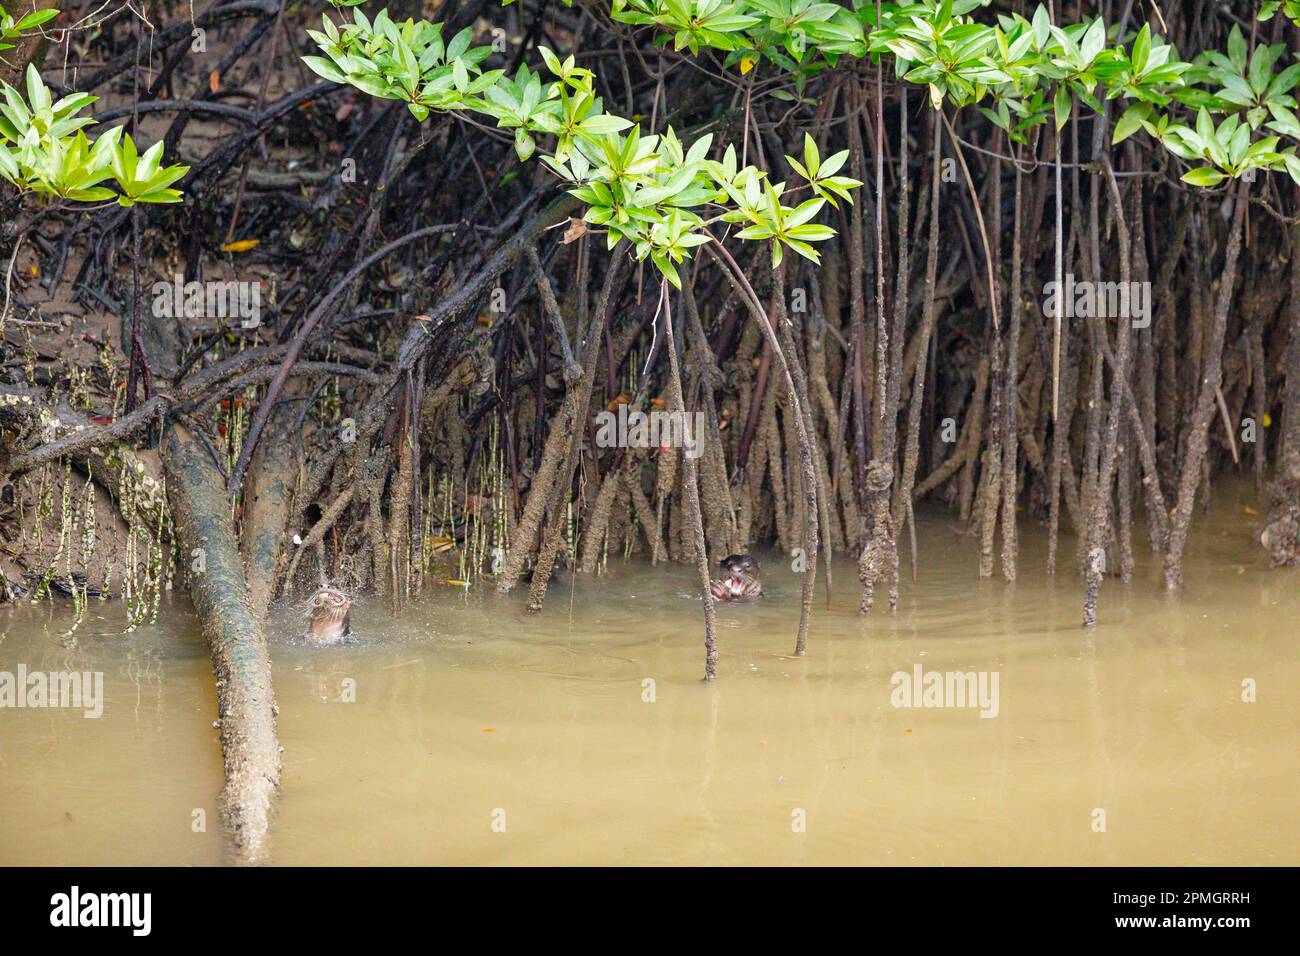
x=740 y=580
x=327 y=618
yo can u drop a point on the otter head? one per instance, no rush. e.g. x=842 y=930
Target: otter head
x=738 y=570
x=328 y=616
x=330 y=601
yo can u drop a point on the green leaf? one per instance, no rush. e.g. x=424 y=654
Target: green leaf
x=8 y=165
x=1204 y=176
x=160 y=196
x=1130 y=122
x=524 y=145
x=97 y=194
x=805 y=250
x=552 y=61
x=1093 y=41
x=1292 y=163
x=666 y=267
x=325 y=68
x=803 y=213
x=1141 y=49
x=831 y=164
x=604 y=123
x=1237 y=49
x=38 y=94
x=1062 y=103
x=812 y=160
x=1041 y=26
x=35 y=19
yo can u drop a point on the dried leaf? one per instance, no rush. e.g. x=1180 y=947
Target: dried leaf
x=577 y=229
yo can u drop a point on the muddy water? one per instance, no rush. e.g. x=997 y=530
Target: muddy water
x=479 y=734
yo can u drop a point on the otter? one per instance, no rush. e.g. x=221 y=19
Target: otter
x=740 y=579
x=327 y=618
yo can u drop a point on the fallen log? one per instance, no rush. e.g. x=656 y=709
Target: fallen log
x=236 y=641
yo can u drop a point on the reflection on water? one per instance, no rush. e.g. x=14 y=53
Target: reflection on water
x=470 y=732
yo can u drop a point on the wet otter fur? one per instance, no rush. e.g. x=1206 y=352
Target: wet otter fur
x=740 y=579
x=327 y=618
x=1280 y=535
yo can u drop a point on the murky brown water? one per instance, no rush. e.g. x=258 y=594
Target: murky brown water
x=470 y=713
